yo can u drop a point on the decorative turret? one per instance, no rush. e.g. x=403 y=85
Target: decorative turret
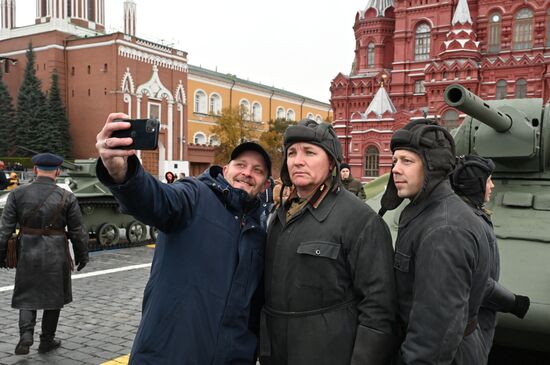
x=381 y=103
x=130 y=17
x=379 y=5
x=7 y=14
x=461 y=39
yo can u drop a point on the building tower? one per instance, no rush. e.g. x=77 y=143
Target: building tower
x=7 y=14
x=130 y=17
x=84 y=13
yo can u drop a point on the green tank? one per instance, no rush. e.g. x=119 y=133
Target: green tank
x=100 y=210
x=513 y=134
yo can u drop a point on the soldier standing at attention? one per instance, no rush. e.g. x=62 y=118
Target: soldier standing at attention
x=350 y=183
x=441 y=258
x=43 y=277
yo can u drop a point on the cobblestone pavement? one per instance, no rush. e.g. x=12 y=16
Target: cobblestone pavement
x=101 y=322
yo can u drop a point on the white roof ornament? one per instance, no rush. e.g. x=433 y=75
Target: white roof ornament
x=462 y=13
x=381 y=103
x=379 y=5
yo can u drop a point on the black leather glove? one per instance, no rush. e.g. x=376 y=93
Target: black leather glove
x=521 y=306
x=81 y=265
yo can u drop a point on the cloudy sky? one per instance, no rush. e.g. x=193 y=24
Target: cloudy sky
x=297 y=45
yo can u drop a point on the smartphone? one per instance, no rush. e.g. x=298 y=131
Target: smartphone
x=144 y=132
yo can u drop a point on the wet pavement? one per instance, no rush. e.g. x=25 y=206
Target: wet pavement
x=99 y=326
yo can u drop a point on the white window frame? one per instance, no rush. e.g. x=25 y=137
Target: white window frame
x=200 y=106
x=197 y=134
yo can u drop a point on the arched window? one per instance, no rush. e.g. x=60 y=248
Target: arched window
x=449 y=120
x=199 y=138
x=214 y=140
x=422 y=42
x=523 y=29
x=91 y=10
x=370 y=55
x=318 y=119
x=493 y=33
x=501 y=91
x=215 y=104
x=371 y=161
x=69 y=11
x=256 y=112
x=280 y=113
x=521 y=88
x=310 y=116
x=245 y=109
x=290 y=115
x=200 y=102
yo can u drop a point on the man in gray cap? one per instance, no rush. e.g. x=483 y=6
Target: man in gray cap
x=329 y=284
x=441 y=254
x=47 y=215
x=203 y=299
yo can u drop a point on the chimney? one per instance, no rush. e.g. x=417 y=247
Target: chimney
x=130 y=17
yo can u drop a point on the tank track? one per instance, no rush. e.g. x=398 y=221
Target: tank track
x=93 y=244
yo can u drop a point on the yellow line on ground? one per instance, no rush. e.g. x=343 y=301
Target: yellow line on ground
x=118 y=361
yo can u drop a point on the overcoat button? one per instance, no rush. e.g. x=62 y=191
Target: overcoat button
x=317 y=252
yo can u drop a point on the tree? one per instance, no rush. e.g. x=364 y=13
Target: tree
x=7 y=114
x=272 y=141
x=31 y=122
x=59 y=124
x=233 y=128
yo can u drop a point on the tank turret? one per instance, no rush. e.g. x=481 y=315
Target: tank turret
x=508 y=131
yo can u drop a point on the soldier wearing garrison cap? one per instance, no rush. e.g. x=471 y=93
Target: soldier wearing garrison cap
x=46 y=215
x=329 y=284
x=441 y=258
x=472 y=181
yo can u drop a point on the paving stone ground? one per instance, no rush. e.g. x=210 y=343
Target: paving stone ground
x=101 y=322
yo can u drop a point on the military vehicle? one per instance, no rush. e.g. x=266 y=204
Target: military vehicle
x=513 y=134
x=100 y=211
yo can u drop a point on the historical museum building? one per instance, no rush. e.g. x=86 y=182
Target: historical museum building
x=100 y=73
x=211 y=91
x=408 y=51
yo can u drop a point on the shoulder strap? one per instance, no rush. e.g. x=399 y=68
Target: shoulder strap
x=58 y=210
x=38 y=206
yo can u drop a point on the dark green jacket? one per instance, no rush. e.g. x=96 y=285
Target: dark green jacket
x=355 y=187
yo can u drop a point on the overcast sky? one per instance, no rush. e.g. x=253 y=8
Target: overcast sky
x=297 y=45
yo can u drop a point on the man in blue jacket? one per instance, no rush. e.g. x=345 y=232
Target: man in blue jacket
x=201 y=304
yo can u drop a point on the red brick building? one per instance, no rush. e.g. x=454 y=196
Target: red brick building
x=101 y=73
x=408 y=51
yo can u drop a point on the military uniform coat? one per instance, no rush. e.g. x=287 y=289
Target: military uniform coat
x=329 y=285
x=43 y=277
x=441 y=267
x=355 y=187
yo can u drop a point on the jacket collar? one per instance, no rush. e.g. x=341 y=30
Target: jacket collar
x=44 y=180
x=236 y=200
x=416 y=207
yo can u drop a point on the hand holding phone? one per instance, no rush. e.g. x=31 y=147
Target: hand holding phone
x=144 y=133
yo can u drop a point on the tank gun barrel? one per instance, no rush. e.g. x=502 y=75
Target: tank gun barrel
x=464 y=100
x=65 y=164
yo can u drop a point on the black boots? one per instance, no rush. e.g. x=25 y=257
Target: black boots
x=27 y=320
x=49 y=325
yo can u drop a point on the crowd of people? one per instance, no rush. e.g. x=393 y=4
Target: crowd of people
x=312 y=278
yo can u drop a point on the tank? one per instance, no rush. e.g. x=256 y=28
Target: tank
x=513 y=134
x=100 y=211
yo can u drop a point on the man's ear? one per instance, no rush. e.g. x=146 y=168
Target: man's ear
x=224 y=170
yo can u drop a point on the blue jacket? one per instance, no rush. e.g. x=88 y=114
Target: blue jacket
x=201 y=304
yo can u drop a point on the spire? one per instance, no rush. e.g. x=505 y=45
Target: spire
x=379 y=5
x=7 y=14
x=462 y=13
x=130 y=17
x=381 y=103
